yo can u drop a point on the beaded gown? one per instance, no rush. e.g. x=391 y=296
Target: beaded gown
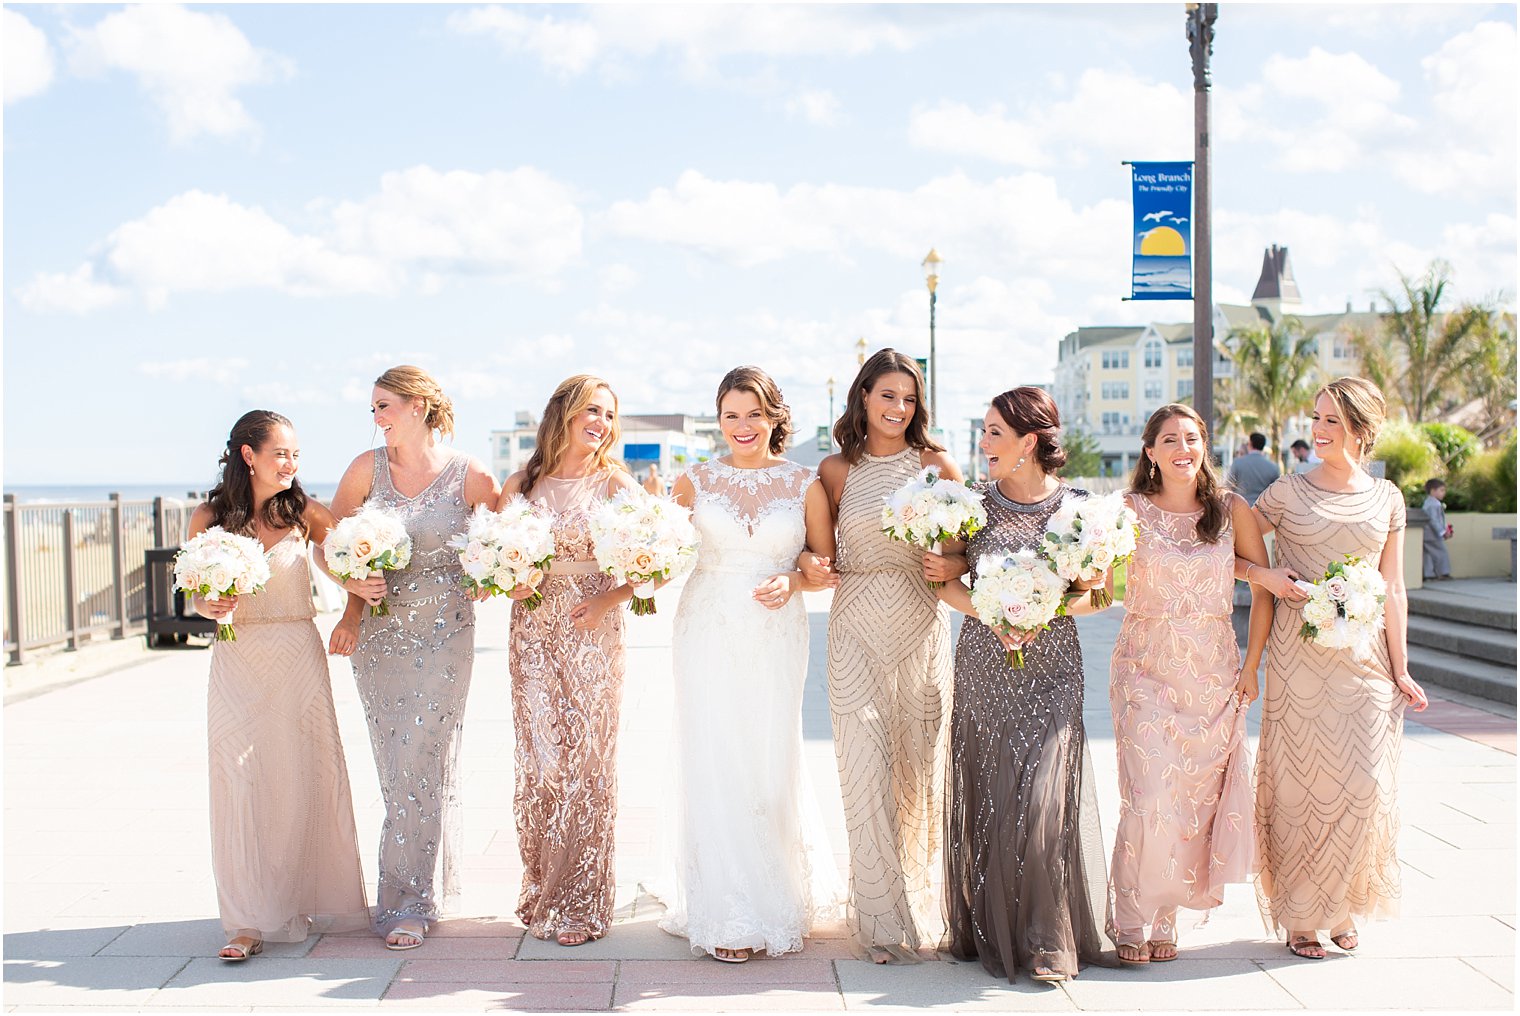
x=1331 y=728
x=283 y=846
x=412 y=668
x=566 y=688
x=889 y=698
x=1024 y=875
x=752 y=867
x=1185 y=812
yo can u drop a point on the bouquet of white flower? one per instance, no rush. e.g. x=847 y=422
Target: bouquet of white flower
x=218 y=563
x=929 y=509
x=1086 y=537
x=1017 y=592
x=1345 y=608
x=502 y=550
x=370 y=541
x=639 y=537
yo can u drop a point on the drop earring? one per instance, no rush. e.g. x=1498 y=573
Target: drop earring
x=1154 y=469
x=1016 y=466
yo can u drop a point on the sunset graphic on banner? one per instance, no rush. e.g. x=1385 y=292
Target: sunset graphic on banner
x=1163 y=268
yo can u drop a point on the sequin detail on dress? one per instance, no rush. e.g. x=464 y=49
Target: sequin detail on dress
x=1025 y=879
x=1185 y=812
x=889 y=699
x=413 y=668
x=566 y=688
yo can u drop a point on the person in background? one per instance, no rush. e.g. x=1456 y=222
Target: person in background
x=1437 y=561
x=653 y=482
x=1253 y=472
x=1303 y=456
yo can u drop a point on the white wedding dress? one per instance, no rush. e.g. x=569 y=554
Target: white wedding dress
x=752 y=866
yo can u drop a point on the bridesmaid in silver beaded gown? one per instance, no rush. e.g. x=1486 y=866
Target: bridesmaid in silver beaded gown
x=413 y=665
x=1024 y=868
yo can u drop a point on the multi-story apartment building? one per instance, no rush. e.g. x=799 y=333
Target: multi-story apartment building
x=669 y=441
x=1109 y=379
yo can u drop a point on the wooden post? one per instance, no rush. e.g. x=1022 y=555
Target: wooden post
x=13 y=577
x=69 y=595
x=118 y=567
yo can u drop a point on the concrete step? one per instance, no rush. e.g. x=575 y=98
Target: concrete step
x=1475 y=677
x=1461 y=639
x=1432 y=601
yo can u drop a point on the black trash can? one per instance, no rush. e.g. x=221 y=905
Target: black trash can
x=171 y=619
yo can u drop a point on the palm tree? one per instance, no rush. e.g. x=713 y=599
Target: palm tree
x=1276 y=374
x=1422 y=356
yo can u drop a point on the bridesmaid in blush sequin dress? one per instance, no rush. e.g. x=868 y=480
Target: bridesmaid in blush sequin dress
x=1180 y=695
x=413 y=665
x=567 y=676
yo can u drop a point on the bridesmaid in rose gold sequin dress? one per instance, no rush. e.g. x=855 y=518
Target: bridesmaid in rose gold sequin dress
x=567 y=677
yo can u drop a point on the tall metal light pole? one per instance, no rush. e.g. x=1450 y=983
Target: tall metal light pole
x=1200 y=33
x=931 y=276
x=831 y=404
x=860 y=351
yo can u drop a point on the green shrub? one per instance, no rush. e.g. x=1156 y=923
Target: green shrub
x=1486 y=483
x=1454 y=444
x=1409 y=458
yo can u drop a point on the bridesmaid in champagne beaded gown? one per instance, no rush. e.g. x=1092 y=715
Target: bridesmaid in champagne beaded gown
x=1024 y=868
x=889 y=665
x=1180 y=694
x=413 y=665
x=566 y=658
x=283 y=846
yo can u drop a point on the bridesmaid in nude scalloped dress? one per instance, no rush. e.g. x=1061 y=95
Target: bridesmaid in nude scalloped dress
x=567 y=676
x=1180 y=694
x=412 y=666
x=283 y=846
x=1332 y=725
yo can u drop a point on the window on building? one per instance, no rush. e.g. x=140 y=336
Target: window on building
x=505 y=445
x=1116 y=359
x=1115 y=389
x=1343 y=348
x=1185 y=356
x=1111 y=423
x=1153 y=391
x=1153 y=354
x=1185 y=389
x=527 y=442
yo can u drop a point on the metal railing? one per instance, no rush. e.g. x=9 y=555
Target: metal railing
x=74 y=570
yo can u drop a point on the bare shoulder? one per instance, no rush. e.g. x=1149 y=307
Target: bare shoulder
x=514 y=484
x=363 y=464
x=621 y=479
x=200 y=519
x=318 y=515
x=942 y=461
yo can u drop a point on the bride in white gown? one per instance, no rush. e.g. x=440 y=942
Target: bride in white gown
x=752 y=867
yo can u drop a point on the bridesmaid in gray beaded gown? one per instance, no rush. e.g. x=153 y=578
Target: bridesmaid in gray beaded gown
x=1025 y=877
x=413 y=665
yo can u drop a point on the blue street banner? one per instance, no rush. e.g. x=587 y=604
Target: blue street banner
x=1163 y=265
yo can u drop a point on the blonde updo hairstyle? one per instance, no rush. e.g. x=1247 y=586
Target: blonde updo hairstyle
x=763 y=387
x=1362 y=410
x=415 y=383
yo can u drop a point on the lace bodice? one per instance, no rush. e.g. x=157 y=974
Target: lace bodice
x=750 y=520
x=1173 y=572
x=572 y=501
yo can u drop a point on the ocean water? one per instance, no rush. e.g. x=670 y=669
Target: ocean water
x=27 y=493
x=1170 y=275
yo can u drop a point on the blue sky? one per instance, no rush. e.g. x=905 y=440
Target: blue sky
x=212 y=209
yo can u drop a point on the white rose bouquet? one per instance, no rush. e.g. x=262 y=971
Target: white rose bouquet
x=1017 y=592
x=1345 y=608
x=1086 y=537
x=929 y=509
x=639 y=537
x=218 y=563
x=370 y=541
x=502 y=550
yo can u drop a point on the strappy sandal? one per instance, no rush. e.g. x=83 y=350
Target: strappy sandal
x=1047 y=975
x=572 y=938
x=405 y=930
x=1346 y=940
x=240 y=948
x=1142 y=954
x=731 y=955
x=1299 y=944
x=1156 y=957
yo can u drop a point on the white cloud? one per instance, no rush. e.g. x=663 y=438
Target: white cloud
x=700 y=36
x=817 y=106
x=216 y=370
x=618 y=278
x=521 y=222
x=421 y=228
x=28 y=57
x=189 y=63
x=74 y=292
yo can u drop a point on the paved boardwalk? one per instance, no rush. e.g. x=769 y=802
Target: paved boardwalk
x=109 y=902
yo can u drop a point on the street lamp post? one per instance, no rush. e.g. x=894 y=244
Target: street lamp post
x=831 y=404
x=860 y=351
x=931 y=276
x=1200 y=34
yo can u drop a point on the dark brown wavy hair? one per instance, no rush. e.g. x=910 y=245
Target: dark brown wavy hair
x=850 y=428
x=1031 y=410
x=763 y=387
x=231 y=500
x=1216 y=504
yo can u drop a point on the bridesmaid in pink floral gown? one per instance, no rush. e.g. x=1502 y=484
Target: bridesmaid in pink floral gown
x=1180 y=693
